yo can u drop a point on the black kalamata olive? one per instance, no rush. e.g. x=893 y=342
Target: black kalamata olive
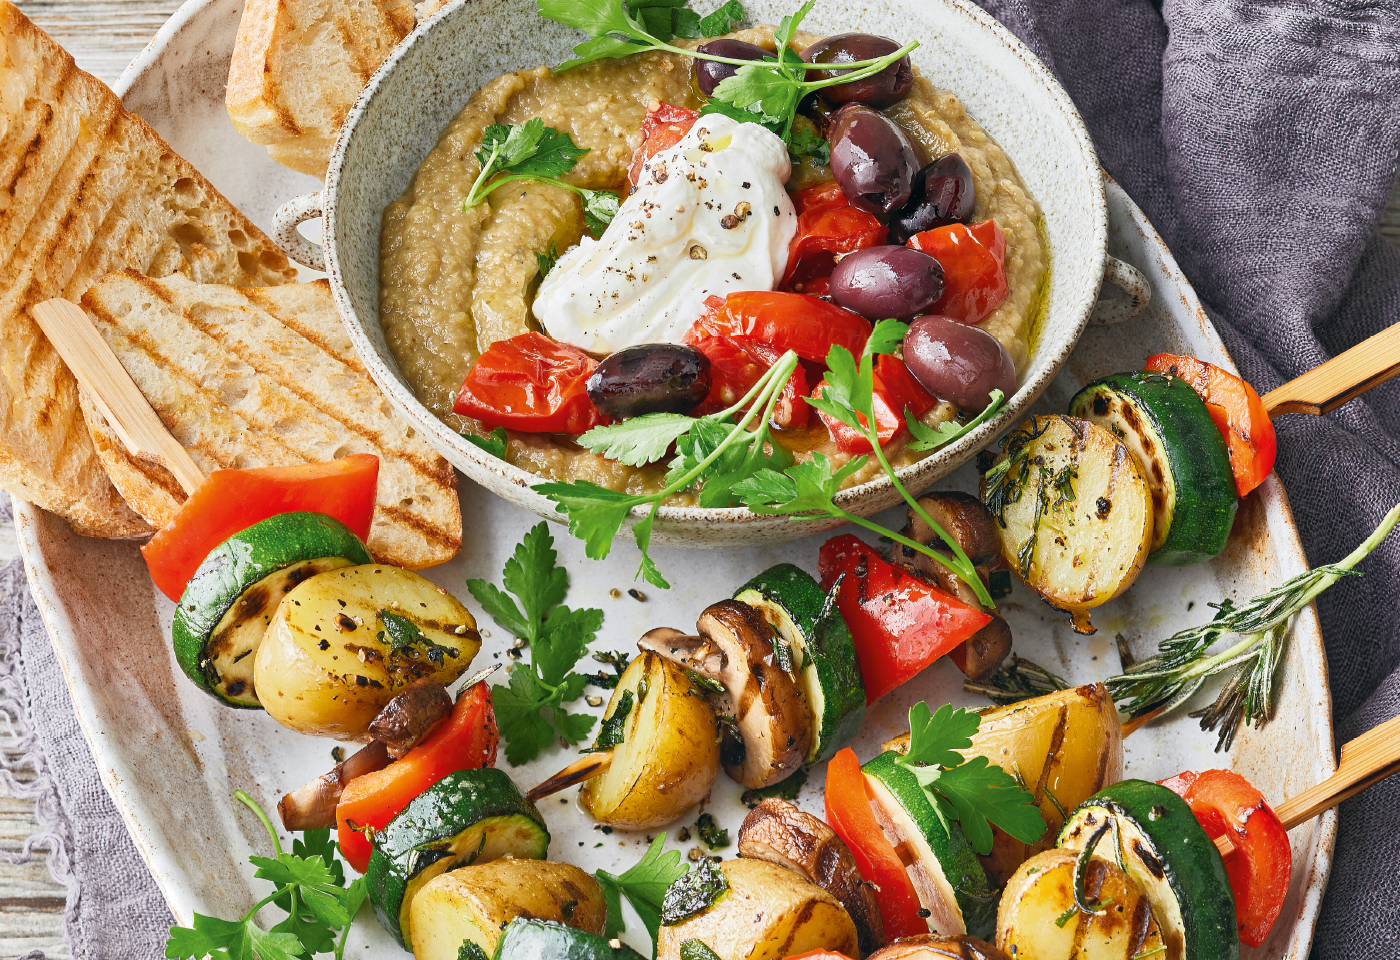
x=883 y=89
x=890 y=281
x=873 y=159
x=709 y=73
x=943 y=193
x=650 y=378
x=814 y=108
x=957 y=362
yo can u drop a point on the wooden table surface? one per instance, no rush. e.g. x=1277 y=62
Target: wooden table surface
x=104 y=36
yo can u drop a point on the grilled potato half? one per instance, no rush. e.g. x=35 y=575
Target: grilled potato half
x=345 y=642
x=669 y=754
x=1038 y=919
x=1074 y=512
x=476 y=903
x=768 y=912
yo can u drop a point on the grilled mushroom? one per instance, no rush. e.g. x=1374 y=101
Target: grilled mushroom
x=969 y=523
x=312 y=805
x=966 y=521
x=411 y=716
x=735 y=647
x=778 y=832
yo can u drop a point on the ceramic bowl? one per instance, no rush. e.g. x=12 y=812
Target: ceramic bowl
x=430 y=76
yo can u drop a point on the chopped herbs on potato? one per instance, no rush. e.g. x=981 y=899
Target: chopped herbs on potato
x=693 y=893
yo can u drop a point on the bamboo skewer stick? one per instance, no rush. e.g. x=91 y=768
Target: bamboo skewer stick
x=101 y=376
x=585 y=767
x=1344 y=377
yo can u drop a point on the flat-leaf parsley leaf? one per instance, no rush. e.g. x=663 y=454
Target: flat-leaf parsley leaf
x=557 y=636
x=974 y=791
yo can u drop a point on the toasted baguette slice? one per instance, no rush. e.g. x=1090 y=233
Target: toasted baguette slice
x=86 y=188
x=256 y=378
x=298 y=66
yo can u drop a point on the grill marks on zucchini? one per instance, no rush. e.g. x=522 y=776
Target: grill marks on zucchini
x=1168 y=429
x=468 y=817
x=1155 y=839
x=228 y=660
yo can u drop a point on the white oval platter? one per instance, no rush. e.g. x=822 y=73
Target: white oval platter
x=171 y=757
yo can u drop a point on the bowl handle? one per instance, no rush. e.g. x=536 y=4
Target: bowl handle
x=285 y=221
x=1132 y=282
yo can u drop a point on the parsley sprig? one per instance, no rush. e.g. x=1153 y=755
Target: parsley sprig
x=808 y=490
x=714 y=448
x=736 y=465
x=531 y=151
x=558 y=637
x=975 y=792
x=765 y=91
x=644 y=884
x=309 y=885
x=1183 y=663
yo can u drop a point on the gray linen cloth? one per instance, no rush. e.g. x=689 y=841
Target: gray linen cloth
x=1261 y=139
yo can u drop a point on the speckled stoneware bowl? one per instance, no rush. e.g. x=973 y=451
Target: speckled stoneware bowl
x=434 y=71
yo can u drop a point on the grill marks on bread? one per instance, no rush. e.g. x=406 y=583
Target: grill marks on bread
x=85 y=188
x=249 y=378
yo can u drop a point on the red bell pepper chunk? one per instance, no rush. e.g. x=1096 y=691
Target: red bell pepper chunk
x=900 y=623
x=232 y=500
x=827 y=227
x=974 y=268
x=736 y=364
x=895 y=390
x=848 y=812
x=465 y=741
x=820 y=955
x=1238 y=413
x=1226 y=803
x=789 y=321
x=531 y=383
x=664 y=126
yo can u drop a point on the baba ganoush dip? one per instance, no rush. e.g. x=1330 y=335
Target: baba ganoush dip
x=453 y=281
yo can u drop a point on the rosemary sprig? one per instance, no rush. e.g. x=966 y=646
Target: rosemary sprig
x=1183 y=663
x=1016 y=680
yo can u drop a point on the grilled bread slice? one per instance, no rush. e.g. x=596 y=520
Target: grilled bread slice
x=86 y=188
x=265 y=377
x=298 y=66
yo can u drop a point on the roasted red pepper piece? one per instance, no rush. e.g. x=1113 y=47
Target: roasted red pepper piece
x=1227 y=804
x=1238 y=413
x=531 y=383
x=895 y=389
x=900 y=623
x=974 y=271
x=789 y=321
x=232 y=500
x=664 y=126
x=736 y=364
x=848 y=812
x=465 y=741
x=827 y=227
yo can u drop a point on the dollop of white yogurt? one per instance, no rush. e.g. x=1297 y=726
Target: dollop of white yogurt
x=709 y=217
